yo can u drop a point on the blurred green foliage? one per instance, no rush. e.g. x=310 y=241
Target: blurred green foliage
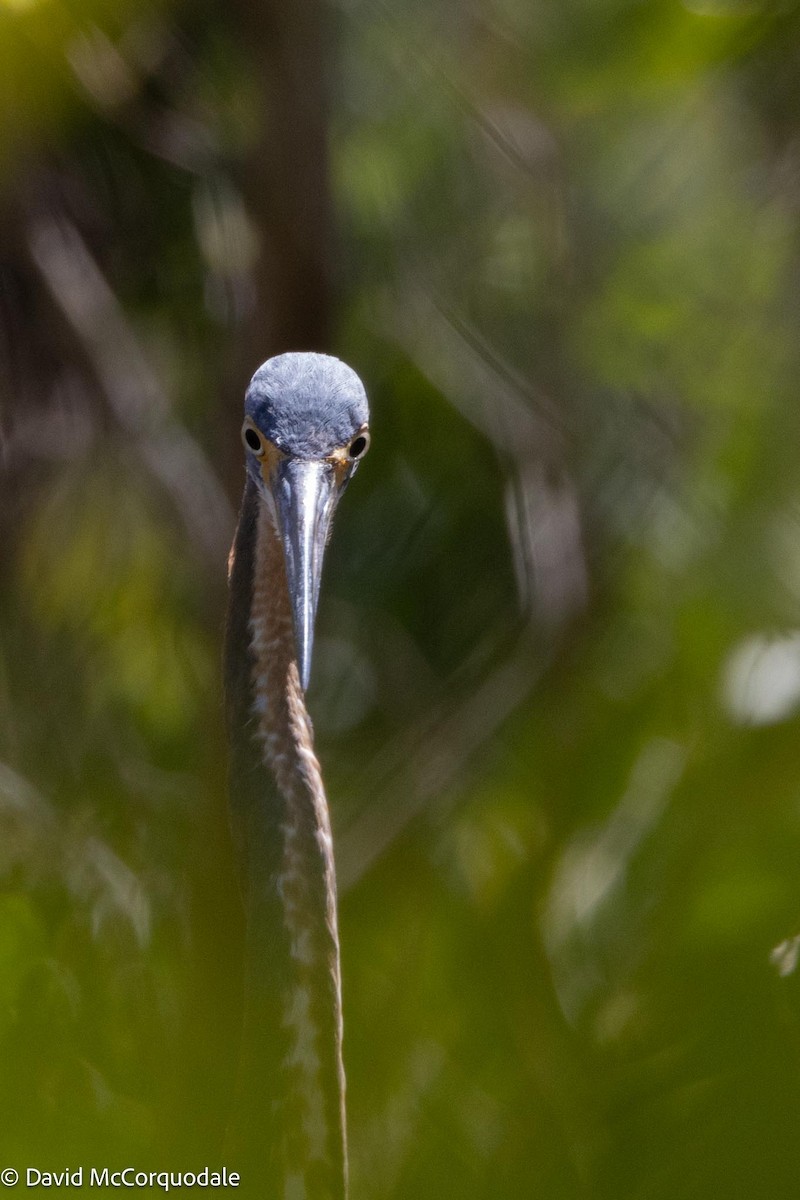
x=557 y=686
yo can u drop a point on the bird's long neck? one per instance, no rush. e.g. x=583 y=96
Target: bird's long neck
x=290 y=1111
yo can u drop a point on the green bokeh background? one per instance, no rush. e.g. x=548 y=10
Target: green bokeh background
x=557 y=681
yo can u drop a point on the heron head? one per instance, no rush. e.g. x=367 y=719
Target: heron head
x=305 y=431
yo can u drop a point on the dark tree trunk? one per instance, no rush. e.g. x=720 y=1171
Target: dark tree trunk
x=286 y=181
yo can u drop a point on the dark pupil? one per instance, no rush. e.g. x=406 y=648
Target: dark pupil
x=357 y=447
x=252 y=439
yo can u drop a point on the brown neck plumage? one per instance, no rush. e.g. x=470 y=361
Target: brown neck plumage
x=290 y=1111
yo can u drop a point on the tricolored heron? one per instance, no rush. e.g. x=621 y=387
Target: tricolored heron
x=305 y=431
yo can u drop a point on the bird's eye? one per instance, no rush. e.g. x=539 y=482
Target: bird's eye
x=252 y=439
x=358 y=446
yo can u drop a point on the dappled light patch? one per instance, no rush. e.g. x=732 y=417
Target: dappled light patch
x=761 y=679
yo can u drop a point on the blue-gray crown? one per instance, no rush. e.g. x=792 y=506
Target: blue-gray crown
x=307 y=404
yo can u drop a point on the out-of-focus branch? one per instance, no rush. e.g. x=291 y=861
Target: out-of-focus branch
x=36 y=834
x=135 y=394
x=530 y=435
x=419 y=767
x=544 y=529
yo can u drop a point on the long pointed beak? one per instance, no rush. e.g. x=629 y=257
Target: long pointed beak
x=305 y=498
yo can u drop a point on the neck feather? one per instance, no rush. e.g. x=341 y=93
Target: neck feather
x=291 y=1079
